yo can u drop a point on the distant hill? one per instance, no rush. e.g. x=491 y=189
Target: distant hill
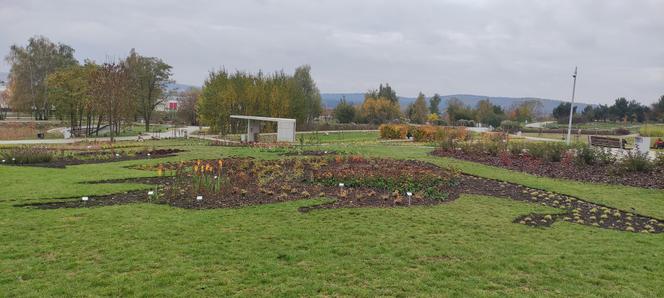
x=331 y=100
x=179 y=87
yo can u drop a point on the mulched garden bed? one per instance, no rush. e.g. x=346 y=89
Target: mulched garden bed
x=310 y=153
x=93 y=157
x=367 y=183
x=587 y=173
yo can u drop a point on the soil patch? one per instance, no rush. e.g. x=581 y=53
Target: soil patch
x=571 y=171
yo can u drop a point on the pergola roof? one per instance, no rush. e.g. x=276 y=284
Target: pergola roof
x=260 y=118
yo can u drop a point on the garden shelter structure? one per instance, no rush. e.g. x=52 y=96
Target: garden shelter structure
x=285 y=127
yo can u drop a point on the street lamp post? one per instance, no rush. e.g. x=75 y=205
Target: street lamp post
x=571 y=110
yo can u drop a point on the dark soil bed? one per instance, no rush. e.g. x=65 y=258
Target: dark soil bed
x=586 y=173
x=319 y=179
x=91 y=157
x=311 y=153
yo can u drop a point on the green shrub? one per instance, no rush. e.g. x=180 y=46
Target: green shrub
x=516 y=148
x=26 y=155
x=548 y=151
x=586 y=155
x=659 y=159
x=635 y=162
x=605 y=156
x=510 y=126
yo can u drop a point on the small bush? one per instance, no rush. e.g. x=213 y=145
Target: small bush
x=659 y=160
x=516 y=148
x=424 y=133
x=393 y=131
x=548 y=151
x=510 y=126
x=635 y=162
x=26 y=155
x=586 y=155
x=605 y=156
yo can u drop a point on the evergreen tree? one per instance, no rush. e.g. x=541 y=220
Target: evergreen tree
x=434 y=104
x=344 y=112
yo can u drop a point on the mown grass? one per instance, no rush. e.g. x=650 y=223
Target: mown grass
x=652 y=131
x=468 y=247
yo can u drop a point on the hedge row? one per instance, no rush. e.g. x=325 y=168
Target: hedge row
x=617 y=131
x=423 y=133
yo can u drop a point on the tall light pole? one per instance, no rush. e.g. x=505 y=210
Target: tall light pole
x=571 y=110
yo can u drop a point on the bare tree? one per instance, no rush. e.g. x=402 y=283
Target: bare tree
x=109 y=89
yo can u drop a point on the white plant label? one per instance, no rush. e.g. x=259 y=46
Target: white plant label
x=84 y=199
x=150 y=193
x=199 y=198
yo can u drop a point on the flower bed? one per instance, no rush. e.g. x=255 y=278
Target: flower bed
x=367 y=183
x=59 y=158
x=556 y=160
x=423 y=133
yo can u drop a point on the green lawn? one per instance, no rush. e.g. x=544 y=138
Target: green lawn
x=468 y=247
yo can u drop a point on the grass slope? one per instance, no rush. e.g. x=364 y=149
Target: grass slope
x=468 y=247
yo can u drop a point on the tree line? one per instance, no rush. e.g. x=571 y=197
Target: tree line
x=382 y=105
x=46 y=80
x=270 y=95
x=621 y=110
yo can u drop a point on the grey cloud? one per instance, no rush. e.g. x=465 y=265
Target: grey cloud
x=502 y=48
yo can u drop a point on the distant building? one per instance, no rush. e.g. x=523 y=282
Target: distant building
x=3 y=100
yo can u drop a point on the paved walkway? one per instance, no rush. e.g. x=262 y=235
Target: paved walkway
x=538 y=124
x=146 y=136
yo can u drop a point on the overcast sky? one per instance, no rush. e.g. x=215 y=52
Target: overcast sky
x=499 y=48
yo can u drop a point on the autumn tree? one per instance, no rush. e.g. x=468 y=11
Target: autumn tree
x=111 y=90
x=385 y=92
x=188 y=106
x=271 y=95
x=379 y=110
x=417 y=112
x=488 y=113
x=30 y=67
x=527 y=110
x=148 y=77
x=68 y=91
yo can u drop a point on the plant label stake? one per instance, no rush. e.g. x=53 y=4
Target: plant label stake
x=84 y=199
x=341 y=185
x=199 y=198
x=409 y=194
x=150 y=193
